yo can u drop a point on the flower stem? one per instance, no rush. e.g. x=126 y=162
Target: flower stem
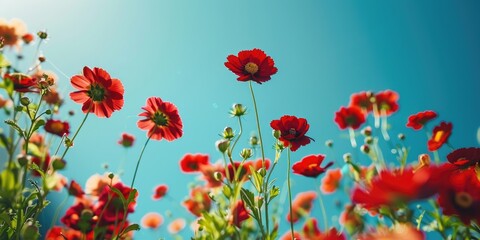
x=322 y=207
x=138 y=162
x=290 y=194
x=75 y=135
x=351 y=132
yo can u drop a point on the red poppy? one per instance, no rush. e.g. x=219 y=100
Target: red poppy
x=160 y=191
x=22 y=83
x=331 y=181
x=464 y=157
x=417 y=121
x=192 y=162
x=198 y=202
x=252 y=65
x=363 y=100
x=126 y=140
x=162 y=120
x=61 y=233
x=309 y=166
x=98 y=92
x=74 y=189
x=349 y=117
x=301 y=205
x=460 y=196
x=387 y=102
x=292 y=131
x=440 y=135
x=57 y=127
x=239 y=214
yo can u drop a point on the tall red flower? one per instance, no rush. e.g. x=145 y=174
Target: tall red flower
x=349 y=117
x=97 y=92
x=57 y=127
x=440 y=135
x=161 y=120
x=292 y=131
x=464 y=157
x=309 y=166
x=301 y=205
x=363 y=100
x=387 y=101
x=252 y=65
x=160 y=191
x=242 y=172
x=192 y=162
x=417 y=121
x=460 y=196
x=126 y=140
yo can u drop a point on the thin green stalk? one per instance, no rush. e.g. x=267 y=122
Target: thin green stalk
x=138 y=162
x=75 y=135
x=290 y=194
x=322 y=207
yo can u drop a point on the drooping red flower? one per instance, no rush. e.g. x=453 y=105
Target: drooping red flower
x=391 y=187
x=349 y=117
x=57 y=127
x=27 y=38
x=22 y=83
x=191 y=163
x=126 y=140
x=464 y=157
x=301 y=206
x=252 y=65
x=111 y=204
x=312 y=232
x=239 y=214
x=440 y=135
x=97 y=92
x=161 y=120
x=74 y=189
x=363 y=100
x=331 y=181
x=387 y=102
x=61 y=233
x=309 y=166
x=160 y=191
x=417 y=121
x=460 y=196
x=198 y=202
x=292 y=131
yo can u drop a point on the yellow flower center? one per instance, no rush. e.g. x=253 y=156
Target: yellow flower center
x=463 y=199
x=251 y=68
x=57 y=126
x=160 y=119
x=438 y=136
x=312 y=166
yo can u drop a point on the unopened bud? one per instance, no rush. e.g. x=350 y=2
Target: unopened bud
x=401 y=136
x=58 y=164
x=111 y=175
x=48 y=112
x=71 y=113
x=217 y=176
x=246 y=153
x=254 y=140
x=25 y=101
x=86 y=214
x=30 y=231
x=262 y=172
x=367 y=131
x=42 y=34
x=368 y=140
x=238 y=110
x=222 y=145
x=42 y=58
x=347 y=157
x=365 y=148
x=23 y=160
x=329 y=143
x=68 y=142
x=228 y=133
x=276 y=134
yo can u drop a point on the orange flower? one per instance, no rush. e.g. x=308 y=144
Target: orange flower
x=301 y=205
x=161 y=120
x=198 y=202
x=331 y=181
x=12 y=31
x=98 y=92
x=96 y=183
x=152 y=220
x=398 y=231
x=176 y=225
x=160 y=191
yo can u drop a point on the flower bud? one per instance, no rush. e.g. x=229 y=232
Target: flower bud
x=25 y=101
x=401 y=136
x=347 y=157
x=424 y=159
x=58 y=164
x=27 y=38
x=68 y=142
x=276 y=134
x=254 y=141
x=238 y=110
x=42 y=58
x=262 y=172
x=367 y=131
x=217 y=176
x=86 y=214
x=329 y=143
x=111 y=175
x=30 y=231
x=42 y=34
x=48 y=112
x=368 y=140
x=71 y=113
x=222 y=145
x=22 y=160
x=228 y=133
x=365 y=149
x=246 y=153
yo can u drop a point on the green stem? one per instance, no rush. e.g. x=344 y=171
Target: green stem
x=75 y=135
x=138 y=161
x=290 y=193
x=322 y=207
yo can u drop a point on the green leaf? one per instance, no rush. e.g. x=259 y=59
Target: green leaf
x=227 y=191
x=257 y=179
x=15 y=126
x=7 y=180
x=37 y=125
x=132 y=227
x=248 y=197
x=120 y=195
x=273 y=193
x=260 y=203
x=4 y=142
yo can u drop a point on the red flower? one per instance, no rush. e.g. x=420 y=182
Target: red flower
x=160 y=191
x=192 y=162
x=42 y=163
x=127 y=140
x=98 y=92
x=162 y=120
x=292 y=131
x=258 y=164
x=312 y=232
x=309 y=166
x=464 y=157
x=288 y=236
x=208 y=174
x=252 y=65
x=239 y=214
x=331 y=181
x=460 y=196
x=363 y=100
x=440 y=135
x=301 y=205
x=198 y=202
x=57 y=127
x=75 y=189
x=352 y=117
x=112 y=205
x=22 y=83
x=79 y=217
x=387 y=102
x=417 y=121
x=27 y=38
x=242 y=175
x=60 y=233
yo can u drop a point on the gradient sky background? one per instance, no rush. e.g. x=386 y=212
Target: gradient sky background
x=427 y=51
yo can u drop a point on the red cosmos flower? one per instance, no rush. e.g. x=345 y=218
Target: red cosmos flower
x=252 y=65
x=57 y=127
x=292 y=131
x=98 y=92
x=79 y=217
x=440 y=135
x=112 y=204
x=460 y=196
x=363 y=100
x=192 y=162
x=464 y=157
x=239 y=214
x=160 y=191
x=417 y=121
x=312 y=232
x=301 y=205
x=391 y=187
x=162 y=120
x=309 y=166
x=387 y=102
x=351 y=117
x=61 y=233
x=126 y=140
x=74 y=189
x=22 y=83
x=331 y=181
x=198 y=202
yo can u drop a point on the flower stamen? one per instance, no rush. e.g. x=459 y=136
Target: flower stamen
x=251 y=68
